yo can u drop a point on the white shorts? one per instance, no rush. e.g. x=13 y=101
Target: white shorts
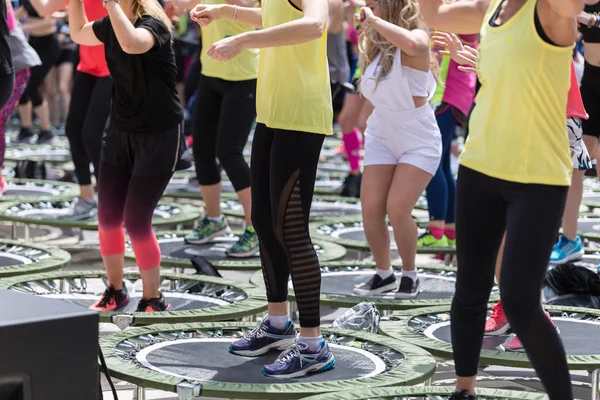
x=407 y=137
x=579 y=153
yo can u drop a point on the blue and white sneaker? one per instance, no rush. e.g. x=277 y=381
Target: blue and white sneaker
x=566 y=250
x=298 y=361
x=264 y=338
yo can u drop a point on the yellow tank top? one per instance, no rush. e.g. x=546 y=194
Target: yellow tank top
x=518 y=129
x=293 y=91
x=242 y=67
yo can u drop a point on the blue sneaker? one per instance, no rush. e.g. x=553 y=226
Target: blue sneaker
x=264 y=338
x=298 y=361
x=566 y=250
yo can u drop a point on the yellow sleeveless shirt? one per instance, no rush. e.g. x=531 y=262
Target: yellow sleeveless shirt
x=293 y=91
x=242 y=67
x=518 y=129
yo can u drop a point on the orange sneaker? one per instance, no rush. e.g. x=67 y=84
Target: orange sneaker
x=154 y=305
x=515 y=344
x=497 y=324
x=112 y=300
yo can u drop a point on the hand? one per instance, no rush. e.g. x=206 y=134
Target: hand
x=172 y=12
x=225 y=49
x=365 y=17
x=449 y=43
x=204 y=14
x=468 y=58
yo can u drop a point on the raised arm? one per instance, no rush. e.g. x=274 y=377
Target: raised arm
x=412 y=42
x=335 y=22
x=559 y=19
x=81 y=30
x=461 y=17
x=132 y=40
x=47 y=7
x=205 y=14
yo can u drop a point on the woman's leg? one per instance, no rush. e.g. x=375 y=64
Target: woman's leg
x=571 y=215
x=20 y=83
x=352 y=138
x=96 y=120
x=50 y=95
x=65 y=85
x=475 y=276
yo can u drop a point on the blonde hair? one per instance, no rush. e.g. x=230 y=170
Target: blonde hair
x=405 y=14
x=152 y=9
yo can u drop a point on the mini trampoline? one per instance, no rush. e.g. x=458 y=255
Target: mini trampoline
x=349 y=232
x=329 y=183
x=49 y=213
x=589 y=228
x=194 y=298
x=177 y=254
x=322 y=208
x=41 y=153
x=337 y=166
x=193 y=360
x=185 y=186
x=18 y=258
x=24 y=190
x=429 y=328
x=424 y=392
x=339 y=278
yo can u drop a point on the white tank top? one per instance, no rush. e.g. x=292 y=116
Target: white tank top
x=395 y=91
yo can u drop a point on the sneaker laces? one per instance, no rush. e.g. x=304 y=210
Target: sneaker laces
x=289 y=354
x=204 y=222
x=246 y=236
x=259 y=331
x=109 y=294
x=497 y=311
x=143 y=304
x=563 y=241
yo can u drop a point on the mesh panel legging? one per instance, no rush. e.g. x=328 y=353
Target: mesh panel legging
x=531 y=215
x=283 y=169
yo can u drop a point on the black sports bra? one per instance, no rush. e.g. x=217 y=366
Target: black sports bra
x=538 y=25
x=30 y=10
x=591 y=35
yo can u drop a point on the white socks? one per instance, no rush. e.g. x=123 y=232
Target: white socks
x=313 y=343
x=411 y=274
x=216 y=220
x=278 y=322
x=385 y=273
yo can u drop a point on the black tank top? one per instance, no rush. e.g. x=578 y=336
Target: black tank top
x=538 y=24
x=591 y=35
x=29 y=8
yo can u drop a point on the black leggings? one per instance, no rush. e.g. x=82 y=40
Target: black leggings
x=284 y=167
x=48 y=49
x=223 y=116
x=530 y=214
x=7 y=83
x=88 y=112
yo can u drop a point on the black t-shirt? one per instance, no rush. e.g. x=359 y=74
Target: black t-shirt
x=6 y=66
x=591 y=35
x=144 y=93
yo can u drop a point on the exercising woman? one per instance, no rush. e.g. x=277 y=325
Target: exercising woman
x=89 y=109
x=43 y=38
x=523 y=182
x=224 y=111
x=143 y=139
x=294 y=113
x=7 y=76
x=403 y=142
x=337 y=56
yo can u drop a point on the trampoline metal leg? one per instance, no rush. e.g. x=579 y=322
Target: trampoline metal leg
x=140 y=393
x=595 y=384
x=293 y=307
x=179 y=228
x=14 y=233
x=26 y=232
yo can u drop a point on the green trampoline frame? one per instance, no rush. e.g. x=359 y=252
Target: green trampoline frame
x=188 y=214
x=417 y=367
x=254 y=303
x=336 y=300
x=397 y=327
x=71 y=191
x=41 y=157
x=331 y=251
x=57 y=259
x=360 y=245
x=420 y=391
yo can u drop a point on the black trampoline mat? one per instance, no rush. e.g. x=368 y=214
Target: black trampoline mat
x=53 y=213
x=18 y=190
x=358 y=234
x=192 y=187
x=215 y=250
x=332 y=209
x=579 y=337
x=210 y=360
x=588 y=225
x=179 y=301
x=7 y=260
x=343 y=283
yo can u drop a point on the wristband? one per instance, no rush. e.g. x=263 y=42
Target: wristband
x=234 y=13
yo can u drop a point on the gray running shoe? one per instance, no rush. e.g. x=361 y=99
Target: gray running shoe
x=82 y=209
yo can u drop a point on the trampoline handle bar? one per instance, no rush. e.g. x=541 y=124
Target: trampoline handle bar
x=595 y=384
x=188 y=391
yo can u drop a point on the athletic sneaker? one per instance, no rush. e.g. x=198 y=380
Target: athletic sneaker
x=351 y=186
x=246 y=246
x=25 y=136
x=497 y=324
x=376 y=285
x=428 y=240
x=207 y=230
x=264 y=338
x=566 y=250
x=451 y=242
x=408 y=288
x=3 y=188
x=154 y=305
x=298 y=361
x=462 y=395
x=514 y=344
x=45 y=137
x=81 y=209
x=112 y=300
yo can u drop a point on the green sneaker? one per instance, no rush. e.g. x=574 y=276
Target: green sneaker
x=207 y=230
x=451 y=242
x=246 y=246
x=428 y=240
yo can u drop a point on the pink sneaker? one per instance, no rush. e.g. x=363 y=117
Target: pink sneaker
x=515 y=344
x=3 y=187
x=497 y=324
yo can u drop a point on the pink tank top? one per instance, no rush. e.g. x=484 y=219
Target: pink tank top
x=10 y=17
x=460 y=86
x=575 y=106
x=352 y=35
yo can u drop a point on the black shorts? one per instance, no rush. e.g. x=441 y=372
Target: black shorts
x=66 y=56
x=144 y=154
x=590 y=93
x=338 y=92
